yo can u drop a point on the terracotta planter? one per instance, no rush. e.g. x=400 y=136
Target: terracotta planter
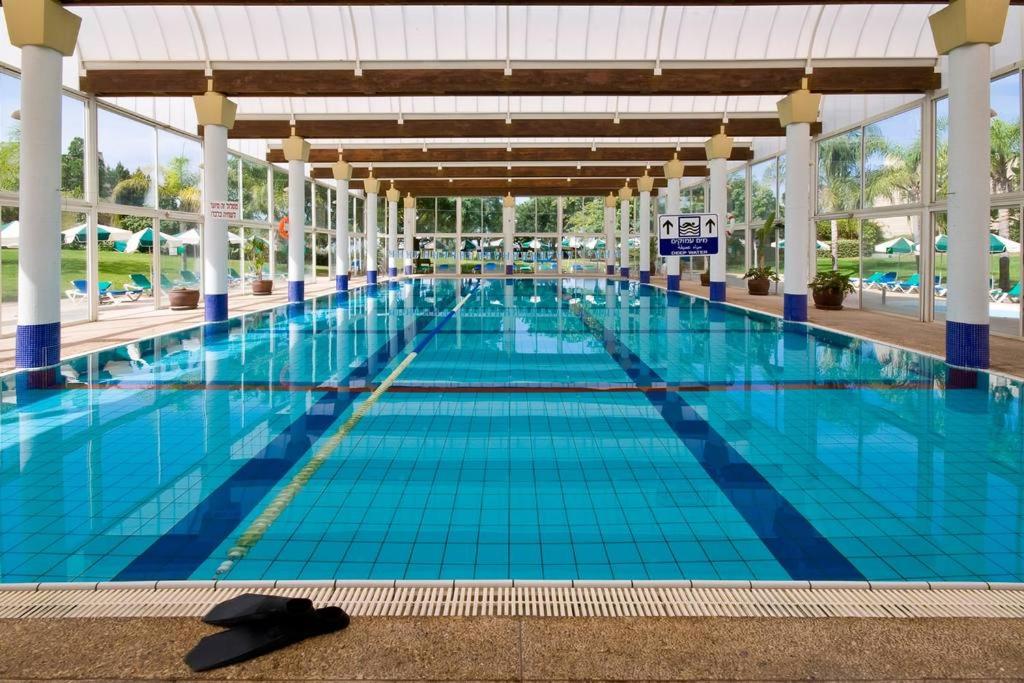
x=262 y=287
x=759 y=286
x=183 y=299
x=828 y=299
x=705 y=279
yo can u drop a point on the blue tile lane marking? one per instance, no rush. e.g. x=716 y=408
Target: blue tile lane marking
x=441 y=323
x=792 y=539
x=178 y=553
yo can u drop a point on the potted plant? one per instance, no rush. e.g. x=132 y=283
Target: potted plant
x=829 y=289
x=256 y=253
x=182 y=298
x=759 y=279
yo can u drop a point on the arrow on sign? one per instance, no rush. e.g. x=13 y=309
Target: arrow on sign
x=711 y=224
x=667 y=225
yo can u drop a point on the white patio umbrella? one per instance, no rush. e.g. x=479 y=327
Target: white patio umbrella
x=145 y=238
x=103 y=233
x=9 y=234
x=1011 y=246
x=192 y=237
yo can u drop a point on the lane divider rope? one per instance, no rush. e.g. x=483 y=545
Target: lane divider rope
x=255 y=531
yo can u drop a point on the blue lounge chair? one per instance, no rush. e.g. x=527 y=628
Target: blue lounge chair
x=490 y=267
x=189 y=278
x=139 y=286
x=999 y=296
x=233 y=277
x=165 y=282
x=884 y=282
x=445 y=268
x=911 y=284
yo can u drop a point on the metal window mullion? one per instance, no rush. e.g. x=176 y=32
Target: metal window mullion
x=92 y=191
x=926 y=304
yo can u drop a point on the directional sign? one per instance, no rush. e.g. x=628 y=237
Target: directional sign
x=227 y=210
x=687 y=234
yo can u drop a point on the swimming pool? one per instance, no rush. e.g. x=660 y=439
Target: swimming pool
x=510 y=428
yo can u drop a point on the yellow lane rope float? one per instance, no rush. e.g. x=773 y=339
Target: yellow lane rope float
x=252 y=535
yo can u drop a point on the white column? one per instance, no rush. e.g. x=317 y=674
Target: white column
x=216 y=114
x=296 y=151
x=342 y=175
x=609 y=234
x=964 y=31
x=797 y=111
x=371 y=186
x=393 y=196
x=673 y=174
x=508 y=230
x=409 y=229
x=644 y=185
x=45 y=32
x=625 y=195
x=718 y=149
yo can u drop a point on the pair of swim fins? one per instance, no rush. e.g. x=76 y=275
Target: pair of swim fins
x=260 y=624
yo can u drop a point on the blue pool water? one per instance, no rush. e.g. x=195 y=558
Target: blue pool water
x=546 y=429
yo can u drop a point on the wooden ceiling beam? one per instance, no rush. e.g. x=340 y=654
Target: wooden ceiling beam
x=522 y=127
x=400 y=173
x=381 y=155
x=671 y=3
x=334 y=82
x=518 y=187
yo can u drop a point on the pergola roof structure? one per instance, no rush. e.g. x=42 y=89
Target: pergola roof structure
x=383 y=76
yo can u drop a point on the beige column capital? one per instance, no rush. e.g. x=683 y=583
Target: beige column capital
x=625 y=192
x=371 y=185
x=674 y=168
x=968 y=22
x=214 y=109
x=645 y=183
x=295 y=148
x=719 y=146
x=610 y=201
x=799 y=106
x=43 y=23
x=508 y=201
x=393 y=194
x=409 y=201
x=342 y=170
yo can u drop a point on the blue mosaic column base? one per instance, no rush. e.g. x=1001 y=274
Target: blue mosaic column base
x=794 y=307
x=645 y=276
x=215 y=308
x=296 y=290
x=717 y=291
x=392 y=272
x=371 y=277
x=341 y=283
x=623 y=272
x=408 y=270
x=967 y=345
x=37 y=346
x=609 y=270
x=673 y=283
x=509 y=270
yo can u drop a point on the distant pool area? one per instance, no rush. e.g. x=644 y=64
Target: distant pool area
x=576 y=428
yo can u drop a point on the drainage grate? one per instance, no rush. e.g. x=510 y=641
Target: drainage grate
x=389 y=599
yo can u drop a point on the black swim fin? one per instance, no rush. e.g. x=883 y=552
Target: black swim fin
x=253 y=639
x=252 y=607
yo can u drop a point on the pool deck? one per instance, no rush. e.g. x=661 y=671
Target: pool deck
x=507 y=648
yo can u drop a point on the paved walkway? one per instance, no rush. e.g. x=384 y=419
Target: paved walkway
x=504 y=648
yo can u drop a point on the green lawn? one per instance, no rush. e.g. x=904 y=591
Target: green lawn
x=907 y=266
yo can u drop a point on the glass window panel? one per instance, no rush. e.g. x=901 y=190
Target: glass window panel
x=1004 y=96
x=764 y=199
x=280 y=194
x=547 y=214
x=322 y=199
x=526 y=215
x=72 y=139
x=781 y=180
x=890 y=263
x=179 y=172
x=233 y=164
x=426 y=214
x=736 y=203
x=941 y=148
x=1005 y=271
x=839 y=164
x=126 y=160
x=254 y=190
x=471 y=214
x=446 y=208
x=10 y=133
x=180 y=263
x=490 y=214
x=117 y=264
x=583 y=215
x=892 y=163
x=73 y=266
x=307 y=197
